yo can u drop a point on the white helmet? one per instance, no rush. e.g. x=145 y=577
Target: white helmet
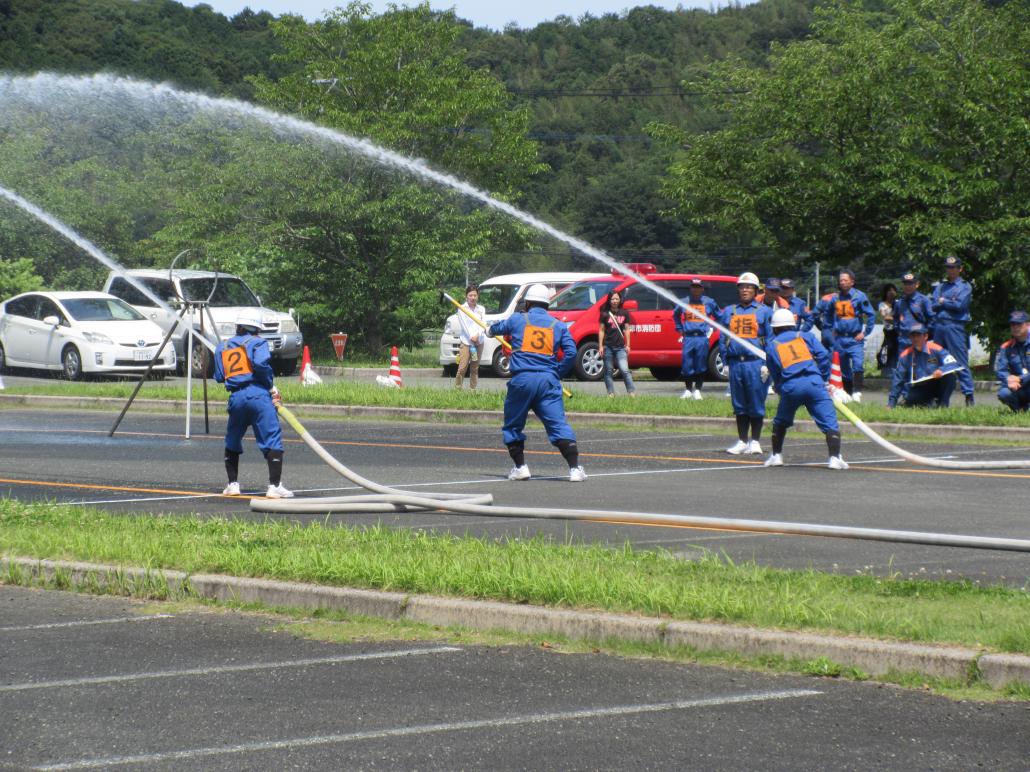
x=748 y=278
x=250 y=318
x=538 y=293
x=782 y=317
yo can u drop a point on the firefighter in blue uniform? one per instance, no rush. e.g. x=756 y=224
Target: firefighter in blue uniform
x=950 y=303
x=536 y=339
x=800 y=368
x=696 y=334
x=797 y=306
x=911 y=307
x=845 y=310
x=749 y=320
x=1012 y=363
x=920 y=375
x=242 y=363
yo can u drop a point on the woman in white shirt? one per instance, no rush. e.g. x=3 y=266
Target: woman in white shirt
x=471 y=339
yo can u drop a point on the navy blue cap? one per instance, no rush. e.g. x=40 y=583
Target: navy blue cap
x=952 y=262
x=696 y=283
x=787 y=283
x=772 y=284
x=1018 y=317
x=908 y=278
x=917 y=328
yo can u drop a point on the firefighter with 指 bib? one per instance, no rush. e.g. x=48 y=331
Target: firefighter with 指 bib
x=537 y=338
x=243 y=364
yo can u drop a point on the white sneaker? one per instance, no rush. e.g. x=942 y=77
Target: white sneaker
x=278 y=492
x=856 y=396
x=232 y=489
x=771 y=390
x=738 y=448
x=519 y=473
x=697 y=394
x=754 y=448
x=687 y=394
x=576 y=474
x=836 y=462
x=775 y=459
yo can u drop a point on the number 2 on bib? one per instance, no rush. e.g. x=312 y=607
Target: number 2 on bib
x=235 y=362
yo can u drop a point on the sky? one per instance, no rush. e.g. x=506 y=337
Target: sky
x=482 y=13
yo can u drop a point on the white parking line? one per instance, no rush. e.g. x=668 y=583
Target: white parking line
x=86 y=622
x=424 y=729
x=223 y=669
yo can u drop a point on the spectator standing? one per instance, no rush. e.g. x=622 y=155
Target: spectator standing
x=852 y=319
x=613 y=334
x=536 y=340
x=749 y=320
x=1012 y=363
x=797 y=306
x=799 y=366
x=887 y=356
x=911 y=307
x=920 y=375
x=470 y=334
x=696 y=332
x=950 y=303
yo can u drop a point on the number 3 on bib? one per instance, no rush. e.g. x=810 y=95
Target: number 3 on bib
x=538 y=340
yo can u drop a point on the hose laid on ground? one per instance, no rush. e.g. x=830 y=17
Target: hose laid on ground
x=386 y=499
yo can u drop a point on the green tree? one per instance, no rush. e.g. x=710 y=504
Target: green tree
x=18 y=276
x=896 y=134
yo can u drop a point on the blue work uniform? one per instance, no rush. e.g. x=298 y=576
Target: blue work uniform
x=802 y=314
x=845 y=312
x=536 y=339
x=750 y=322
x=1014 y=359
x=800 y=367
x=243 y=364
x=950 y=303
x=820 y=316
x=917 y=364
x=695 y=334
x=909 y=310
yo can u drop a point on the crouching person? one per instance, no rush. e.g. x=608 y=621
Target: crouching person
x=925 y=375
x=536 y=338
x=800 y=368
x=1012 y=363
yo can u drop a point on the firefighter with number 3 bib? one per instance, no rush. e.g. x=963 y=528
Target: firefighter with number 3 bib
x=242 y=363
x=536 y=339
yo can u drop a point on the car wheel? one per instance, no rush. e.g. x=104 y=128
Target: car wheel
x=201 y=362
x=284 y=366
x=716 y=366
x=71 y=363
x=665 y=373
x=501 y=364
x=589 y=362
x=449 y=371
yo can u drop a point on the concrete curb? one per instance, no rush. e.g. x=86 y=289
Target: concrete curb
x=872 y=656
x=495 y=417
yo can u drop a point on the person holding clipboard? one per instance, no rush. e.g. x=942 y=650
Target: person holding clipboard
x=926 y=373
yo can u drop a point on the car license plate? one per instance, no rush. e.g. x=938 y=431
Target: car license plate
x=143 y=356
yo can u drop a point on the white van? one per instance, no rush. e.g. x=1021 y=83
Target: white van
x=231 y=295
x=500 y=296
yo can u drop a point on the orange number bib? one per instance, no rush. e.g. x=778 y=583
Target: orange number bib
x=744 y=326
x=793 y=352
x=538 y=340
x=699 y=312
x=844 y=309
x=235 y=362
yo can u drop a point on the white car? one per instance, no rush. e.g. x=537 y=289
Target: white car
x=79 y=333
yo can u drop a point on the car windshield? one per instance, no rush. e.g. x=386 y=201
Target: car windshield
x=495 y=298
x=229 y=292
x=100 y=310
x=581 y=296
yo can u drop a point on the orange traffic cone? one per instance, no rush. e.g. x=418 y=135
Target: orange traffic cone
x=836 y=380
x=308 y=376
x=395 y=368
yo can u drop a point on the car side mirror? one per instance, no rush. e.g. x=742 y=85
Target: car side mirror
x=51 y=321
x=630 y=305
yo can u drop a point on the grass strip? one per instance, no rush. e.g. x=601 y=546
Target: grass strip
x=537 y=571
x=365 y=394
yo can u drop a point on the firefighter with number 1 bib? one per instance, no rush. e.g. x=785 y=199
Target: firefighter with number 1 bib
x=242 y=363
x=536 y=339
